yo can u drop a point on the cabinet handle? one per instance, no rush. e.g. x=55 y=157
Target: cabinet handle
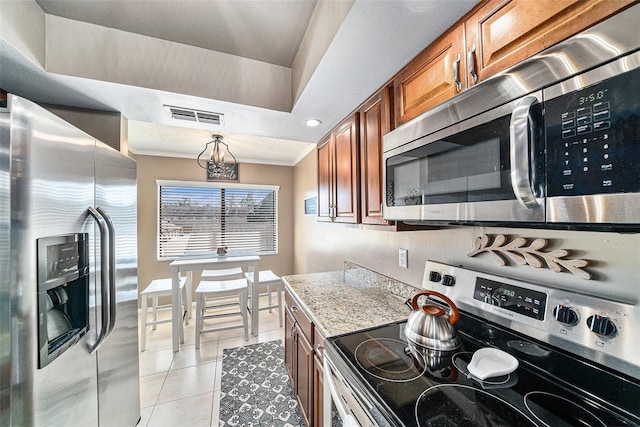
x=471 y=61
x=320 y=349
x=456 y=73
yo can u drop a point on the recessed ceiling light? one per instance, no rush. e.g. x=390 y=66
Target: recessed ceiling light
x=313 y=122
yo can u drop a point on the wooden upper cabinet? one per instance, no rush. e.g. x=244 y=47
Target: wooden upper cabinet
x=338 y=174
x=502 y=33
x=325 y=180
x=496 y=35
x=435 y=75
x=347 y=194
x=375 y=121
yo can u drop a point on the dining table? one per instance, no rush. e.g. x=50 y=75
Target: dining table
x=210 y=260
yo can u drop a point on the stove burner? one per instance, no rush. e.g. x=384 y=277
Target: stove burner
x=549 y=408
x=463 y=358
x=461 y=405
x=387 y=359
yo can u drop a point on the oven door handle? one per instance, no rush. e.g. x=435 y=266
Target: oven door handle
x=519 y=152
x=334 y=396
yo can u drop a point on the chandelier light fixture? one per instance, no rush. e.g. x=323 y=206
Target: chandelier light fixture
x=217 y=168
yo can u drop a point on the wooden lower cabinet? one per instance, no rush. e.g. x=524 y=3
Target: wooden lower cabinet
x=299 y=358
x=304 y=371
x=289 y=332
x=318 y=380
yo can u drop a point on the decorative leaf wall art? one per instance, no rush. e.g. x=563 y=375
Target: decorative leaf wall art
x=520 y=251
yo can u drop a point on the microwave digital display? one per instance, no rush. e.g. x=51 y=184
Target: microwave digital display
x=593 y=138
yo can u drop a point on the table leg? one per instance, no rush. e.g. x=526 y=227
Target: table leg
x=176 y=309
x=189 y=290
x=255 y=300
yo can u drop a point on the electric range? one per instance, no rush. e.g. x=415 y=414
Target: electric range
x=565 y=377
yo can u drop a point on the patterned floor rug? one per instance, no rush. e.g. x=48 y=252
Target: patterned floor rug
x=255 y=389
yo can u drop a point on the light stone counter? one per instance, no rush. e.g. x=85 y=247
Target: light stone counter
x=345 y=301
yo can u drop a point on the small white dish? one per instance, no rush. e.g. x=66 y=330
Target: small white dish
x=490 y=362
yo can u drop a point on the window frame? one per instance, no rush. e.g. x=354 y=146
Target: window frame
x=221 y=185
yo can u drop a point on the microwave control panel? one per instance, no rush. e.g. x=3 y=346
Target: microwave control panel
x=593 y=138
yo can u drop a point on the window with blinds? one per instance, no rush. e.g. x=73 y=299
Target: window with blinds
x=196 y=217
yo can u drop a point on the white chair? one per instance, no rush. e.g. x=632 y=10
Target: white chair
x=268 y=280
x=221 y=274
x=216 y=275
x=218 y=289
x=159 y=288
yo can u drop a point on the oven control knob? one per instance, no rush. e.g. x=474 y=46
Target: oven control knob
x=434 y=276
x=448 y=280
x=566 y=315
x=601 y=325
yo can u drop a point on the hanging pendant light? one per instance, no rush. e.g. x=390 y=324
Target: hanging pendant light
x=217 y=168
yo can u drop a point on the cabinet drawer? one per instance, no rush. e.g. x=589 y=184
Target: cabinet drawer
x=304 y=323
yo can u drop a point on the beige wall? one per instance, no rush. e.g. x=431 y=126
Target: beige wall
x=323 y=246
x=151 y=168
x=325 y=22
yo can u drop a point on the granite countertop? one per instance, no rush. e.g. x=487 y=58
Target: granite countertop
x=338 y=302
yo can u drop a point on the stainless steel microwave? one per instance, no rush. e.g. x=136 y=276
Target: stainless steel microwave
x=552 y=142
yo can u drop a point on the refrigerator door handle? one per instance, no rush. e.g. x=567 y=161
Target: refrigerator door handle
x=104 y=278
x=112 y=268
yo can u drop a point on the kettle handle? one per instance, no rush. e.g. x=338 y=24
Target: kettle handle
x=453 y=316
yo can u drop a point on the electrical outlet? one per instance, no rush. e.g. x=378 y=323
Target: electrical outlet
x=403 y=258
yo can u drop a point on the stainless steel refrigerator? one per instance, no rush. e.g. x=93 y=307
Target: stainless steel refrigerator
x=68 y=275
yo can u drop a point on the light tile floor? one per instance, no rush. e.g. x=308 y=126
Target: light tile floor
x=183 y=388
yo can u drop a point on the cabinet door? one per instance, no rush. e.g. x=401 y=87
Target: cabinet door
x=304 y=372
x=325 y=181
x=375 y=121
x=347 y=195
x=289 y=344
x=504 y=33
x=318 y=390
x=435 y=75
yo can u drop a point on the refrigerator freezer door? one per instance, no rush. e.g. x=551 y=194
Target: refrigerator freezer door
x=118 y=371
x=5 y=271
x=52 y=170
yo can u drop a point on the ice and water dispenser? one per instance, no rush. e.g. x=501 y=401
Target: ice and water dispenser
x=63 y=293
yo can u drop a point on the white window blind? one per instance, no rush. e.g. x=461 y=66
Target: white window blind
x=195 y=217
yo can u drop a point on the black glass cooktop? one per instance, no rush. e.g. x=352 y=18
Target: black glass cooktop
x=414 y=387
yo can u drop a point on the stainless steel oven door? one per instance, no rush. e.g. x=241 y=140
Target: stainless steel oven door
x=353 y=409
x=488 y=168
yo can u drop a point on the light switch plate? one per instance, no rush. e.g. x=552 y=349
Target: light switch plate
x=403 y=258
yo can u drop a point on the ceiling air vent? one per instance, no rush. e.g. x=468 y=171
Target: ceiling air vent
x=208 y=117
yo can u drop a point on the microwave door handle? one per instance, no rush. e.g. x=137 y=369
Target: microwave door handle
x=112 y=268
x=519 y=152
x=104 y=278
